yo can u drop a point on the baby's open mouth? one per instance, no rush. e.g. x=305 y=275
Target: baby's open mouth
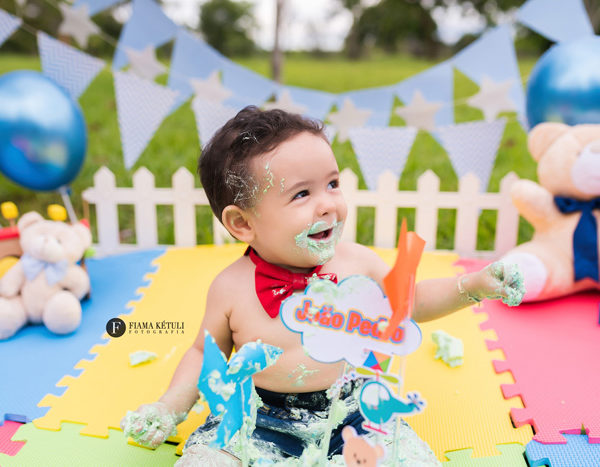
x=323 y=235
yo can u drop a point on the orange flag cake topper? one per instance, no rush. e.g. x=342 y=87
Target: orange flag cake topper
x=399 y=284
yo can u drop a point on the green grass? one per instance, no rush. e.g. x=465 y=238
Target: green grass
x=176 y=143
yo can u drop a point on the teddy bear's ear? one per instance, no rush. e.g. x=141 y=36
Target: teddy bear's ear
x=83 y=233
x=348 y=433
x=28 y=219
x=542 y=136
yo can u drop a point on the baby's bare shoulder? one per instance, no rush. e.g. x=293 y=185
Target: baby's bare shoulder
x=351 y=251
x=233 y=277
x=360 y=259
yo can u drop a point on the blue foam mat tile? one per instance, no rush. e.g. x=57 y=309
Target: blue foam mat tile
x=34 y=359
x=577 y=452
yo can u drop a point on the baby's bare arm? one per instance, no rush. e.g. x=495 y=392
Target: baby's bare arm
x=151 y=424
x=435 y=298
x=182 y=392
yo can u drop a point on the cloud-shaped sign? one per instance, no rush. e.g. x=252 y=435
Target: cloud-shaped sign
x=344 y=321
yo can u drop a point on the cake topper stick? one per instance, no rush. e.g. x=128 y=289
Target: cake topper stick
x=399 y=284
x=329 y=428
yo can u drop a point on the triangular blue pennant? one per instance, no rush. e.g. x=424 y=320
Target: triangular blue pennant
x=381 y=149
x=249 y=88
x=96 y=6
x=378 y=100
x=317 y=103
x=472 y=147
x=493 y=56
x=8 y=25
x=210 y=116
x=192 y=58
x=141 y=107
x=436 y=84
x=68 y=66
x=148 y=25
x=557 y=20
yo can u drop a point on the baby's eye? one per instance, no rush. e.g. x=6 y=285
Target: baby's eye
x=334 y=184
x=301 y=194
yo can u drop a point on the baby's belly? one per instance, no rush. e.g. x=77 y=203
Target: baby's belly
x=296 y=372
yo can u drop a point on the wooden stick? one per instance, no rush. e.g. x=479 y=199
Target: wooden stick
x=327 y=435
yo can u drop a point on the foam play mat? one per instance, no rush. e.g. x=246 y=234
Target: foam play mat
x=76 y=407
x=35 y=359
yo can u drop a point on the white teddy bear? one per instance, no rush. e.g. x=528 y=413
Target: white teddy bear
x=46 y=285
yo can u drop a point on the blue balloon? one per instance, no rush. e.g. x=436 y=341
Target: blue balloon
x=42 y=132
x=564 y=85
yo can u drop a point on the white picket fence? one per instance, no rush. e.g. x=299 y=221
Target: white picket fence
x=427 y=199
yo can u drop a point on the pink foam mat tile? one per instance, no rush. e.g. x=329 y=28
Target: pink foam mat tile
x=7 y=430
x=552 y=349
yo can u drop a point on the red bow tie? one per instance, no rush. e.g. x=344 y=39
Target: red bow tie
x=274 y=283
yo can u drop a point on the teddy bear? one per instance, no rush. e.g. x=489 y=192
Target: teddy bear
x=358 y=451
x=562 y=256
x=46 y=284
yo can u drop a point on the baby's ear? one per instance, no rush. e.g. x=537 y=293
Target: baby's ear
x=236 y=222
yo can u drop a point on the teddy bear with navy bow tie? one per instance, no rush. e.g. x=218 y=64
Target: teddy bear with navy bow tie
x=46 y=284
x=562 y=256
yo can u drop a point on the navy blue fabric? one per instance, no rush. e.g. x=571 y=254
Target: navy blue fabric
x=277 y=426
x=286 y=419
x=585 y=237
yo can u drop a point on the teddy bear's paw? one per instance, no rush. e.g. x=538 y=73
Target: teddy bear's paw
x=534 y=272
x=12 y=317
x=62 y=313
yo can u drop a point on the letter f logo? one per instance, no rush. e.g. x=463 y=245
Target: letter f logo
x=115 y=327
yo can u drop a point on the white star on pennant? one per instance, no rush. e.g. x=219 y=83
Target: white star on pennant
x=420 y=113
x=144 y=63
x=77 y=23
x=284 y=102
x=211 y=88
x=492 y=98
x=349 y=116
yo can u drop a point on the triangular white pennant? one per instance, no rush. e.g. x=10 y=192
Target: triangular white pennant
x=8 y=25
x=472 y=147
x=141 y=106
x=210 y=116
x=381 y=149
x=72 y=69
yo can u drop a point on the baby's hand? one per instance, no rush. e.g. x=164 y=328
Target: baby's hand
x=151 y=424
x=497 y=280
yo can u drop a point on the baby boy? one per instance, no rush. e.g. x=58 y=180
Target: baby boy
x=273 y=181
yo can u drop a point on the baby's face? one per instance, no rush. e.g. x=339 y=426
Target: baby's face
x=300 y=212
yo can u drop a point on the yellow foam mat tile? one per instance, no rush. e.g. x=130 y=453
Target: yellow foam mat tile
x=101 y=395
x=465 y=406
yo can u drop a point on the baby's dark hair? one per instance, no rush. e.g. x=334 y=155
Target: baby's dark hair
x=224 y=165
